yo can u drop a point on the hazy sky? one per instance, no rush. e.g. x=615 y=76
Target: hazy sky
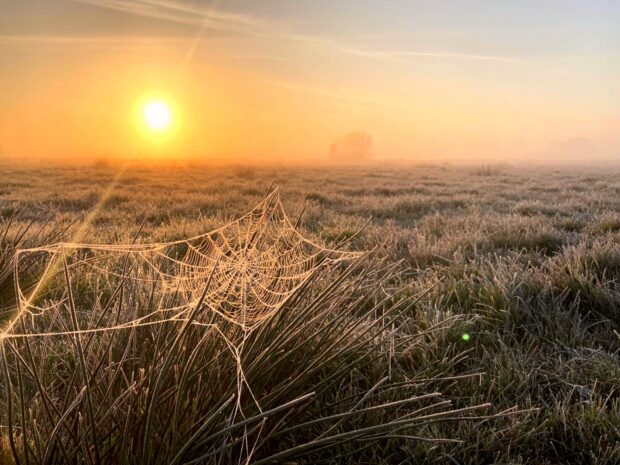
x=441 y=80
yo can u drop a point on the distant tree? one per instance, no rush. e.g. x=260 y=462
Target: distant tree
x=353 y=146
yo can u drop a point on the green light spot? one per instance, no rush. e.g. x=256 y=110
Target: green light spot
x=465 y=337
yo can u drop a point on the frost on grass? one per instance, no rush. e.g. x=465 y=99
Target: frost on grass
x=247 y=343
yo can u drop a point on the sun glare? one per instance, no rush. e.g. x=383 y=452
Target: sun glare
x=157 y=115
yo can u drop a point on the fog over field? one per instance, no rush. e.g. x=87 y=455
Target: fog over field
x=468 y=81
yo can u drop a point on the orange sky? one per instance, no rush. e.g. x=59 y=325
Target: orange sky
x=282 y=80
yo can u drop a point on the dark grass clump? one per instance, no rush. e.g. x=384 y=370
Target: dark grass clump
x=312 y=384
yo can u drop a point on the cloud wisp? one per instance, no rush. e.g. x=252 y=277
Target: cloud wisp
x=211 y=18
x=183 y=13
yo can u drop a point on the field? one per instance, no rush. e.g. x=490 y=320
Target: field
x=515 y=273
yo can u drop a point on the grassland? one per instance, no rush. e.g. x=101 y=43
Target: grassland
x=525 y=261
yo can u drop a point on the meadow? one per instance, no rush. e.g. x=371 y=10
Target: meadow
x=496 y=286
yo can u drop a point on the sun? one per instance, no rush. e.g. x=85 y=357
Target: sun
x=157 y=115
x=158 y=120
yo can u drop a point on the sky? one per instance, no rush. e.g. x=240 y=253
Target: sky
x=475 y=80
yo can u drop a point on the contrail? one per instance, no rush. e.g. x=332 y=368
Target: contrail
x=197 y=38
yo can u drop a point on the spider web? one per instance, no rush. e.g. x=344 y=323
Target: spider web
x=80 y=301
x=243 y=272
